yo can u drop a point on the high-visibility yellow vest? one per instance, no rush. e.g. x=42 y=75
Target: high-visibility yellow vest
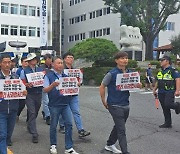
x=166 y=81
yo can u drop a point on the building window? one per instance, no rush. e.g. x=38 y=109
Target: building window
x=14 y=9
x=38 y=11
x=4 y=8
x=32 y=31
x=23 y=30
x=23 y=10
x=108 y=10
x=170 y=26
x=14 y=30
x=32 y=11
x=38 y=32
x=4 y=29
x=77 y=37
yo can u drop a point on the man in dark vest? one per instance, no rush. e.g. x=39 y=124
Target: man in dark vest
x=33 y=100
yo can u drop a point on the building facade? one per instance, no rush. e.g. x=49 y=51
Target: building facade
x=83 y=19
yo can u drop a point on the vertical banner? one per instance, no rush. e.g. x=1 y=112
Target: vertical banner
x=44 y=23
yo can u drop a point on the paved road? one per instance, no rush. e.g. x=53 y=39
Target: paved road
x=143 y=134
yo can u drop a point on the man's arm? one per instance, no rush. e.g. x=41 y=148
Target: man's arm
x=48 y=87
x=155 y=88
x=102 y=90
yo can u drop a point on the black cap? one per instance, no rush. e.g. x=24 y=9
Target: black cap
x=166 y=58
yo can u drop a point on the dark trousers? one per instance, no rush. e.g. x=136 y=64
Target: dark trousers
x=119 y=115
x=33 y=103
x=22 y=103
x=167 y=103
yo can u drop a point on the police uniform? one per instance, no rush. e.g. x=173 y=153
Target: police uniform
x=166 y=79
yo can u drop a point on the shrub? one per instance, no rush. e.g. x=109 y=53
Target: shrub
x=132 y=63
x=155 y=62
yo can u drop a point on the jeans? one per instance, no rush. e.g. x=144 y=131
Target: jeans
x=119 y=115
x=74 y=105
x=66 y=115
x=7 y=123
x=45 y=101
x=61 y=121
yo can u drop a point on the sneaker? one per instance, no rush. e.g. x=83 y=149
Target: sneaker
x=9 y=142
x=71 y=151
x=53 y=149
x=83 y=133
x=165 y=126
x=62 y=129
x=48 y=120
x=35 y=139
x=112 y=148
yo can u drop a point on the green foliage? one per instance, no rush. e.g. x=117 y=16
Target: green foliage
x=94 y=73
x=175 y=43
x=132 y=63
x=149 y=15
x=155 y=62
x=94 y=49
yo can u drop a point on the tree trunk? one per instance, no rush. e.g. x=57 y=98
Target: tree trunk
x=149 y=48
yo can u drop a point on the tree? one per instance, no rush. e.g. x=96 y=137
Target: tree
x=175 y=41
x=94 y=49
x=149 y=15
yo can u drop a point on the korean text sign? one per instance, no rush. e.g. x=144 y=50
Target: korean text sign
x=37 y=78
x=74 y=73
x=68 y=86
x=127 y=81
x=12 y=89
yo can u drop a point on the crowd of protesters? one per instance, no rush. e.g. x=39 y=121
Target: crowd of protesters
x=58 y=108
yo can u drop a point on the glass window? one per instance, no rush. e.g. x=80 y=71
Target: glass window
x=32 y=11
x=38 y=11
x=23 y=10
x=4 y=7
x=14 y=9
x=108 y=10
x=90 y=15
x=23 y=30
x=14 y=30
x=4 y=29
x=108 y=31
x=38 y=32
x=77 y=37
x=32 y=31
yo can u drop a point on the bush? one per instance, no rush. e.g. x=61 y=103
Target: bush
x=132 y=63
x=155 y=62
x=94 y=73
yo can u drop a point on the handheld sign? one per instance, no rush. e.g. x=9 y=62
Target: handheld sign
x=68 y=86
x=127 y=81
x=36 y=78
x=11 y=89
x=74 y=73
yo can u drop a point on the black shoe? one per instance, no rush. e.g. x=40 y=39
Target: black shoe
x=48 y=120
x=43 y=114
x=177 y=110
x=165 y=126
x=9 y=142
x=62 y=129
x=35 y=139
x=83 y=133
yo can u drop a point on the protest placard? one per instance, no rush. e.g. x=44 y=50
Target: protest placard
x=74 y=73
x=36 y=78
x=11 y=89
x=68 y=86
x=127 y=81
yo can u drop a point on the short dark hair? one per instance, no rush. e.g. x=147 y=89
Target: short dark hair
x=67 y=54
x=23 y=58
x=166 y=58
x=4 y=56
x=56 y=57
x=46 y=56
x=120 y=54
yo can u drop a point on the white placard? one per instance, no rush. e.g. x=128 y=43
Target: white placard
x=44 y=24
x=74 y=73
x=36 y=78
x=127 y=81
x=11 y=89
x=68 y=86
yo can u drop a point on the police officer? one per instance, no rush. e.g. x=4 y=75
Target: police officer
x=168 y=85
